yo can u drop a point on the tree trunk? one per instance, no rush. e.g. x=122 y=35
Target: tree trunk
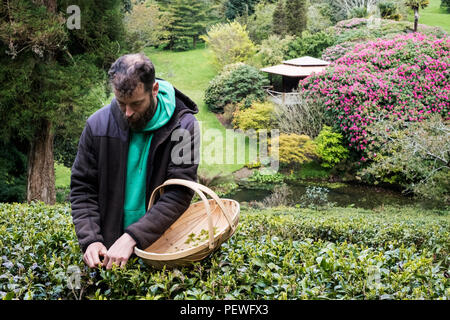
x=41 y=170
x=41 y=175
x=416 y=18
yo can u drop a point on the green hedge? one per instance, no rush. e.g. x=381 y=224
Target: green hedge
x=391 y=253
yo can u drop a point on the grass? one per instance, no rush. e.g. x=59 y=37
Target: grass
x=433 y=15
x=62 y=176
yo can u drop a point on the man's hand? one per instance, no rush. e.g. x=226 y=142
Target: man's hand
x=120 y=251
x=92 y=255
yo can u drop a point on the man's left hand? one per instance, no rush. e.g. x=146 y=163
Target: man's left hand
x=120 y=251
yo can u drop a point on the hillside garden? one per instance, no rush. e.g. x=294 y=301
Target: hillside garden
x=372 y=128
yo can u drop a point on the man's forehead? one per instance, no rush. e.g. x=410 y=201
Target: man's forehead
x=139 y=90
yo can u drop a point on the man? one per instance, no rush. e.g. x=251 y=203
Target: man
x=124 y=153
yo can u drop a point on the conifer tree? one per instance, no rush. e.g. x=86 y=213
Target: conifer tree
x=296 y=17
x=279 y=19
x=189 y=20
x=237 y=8
x=47 y=72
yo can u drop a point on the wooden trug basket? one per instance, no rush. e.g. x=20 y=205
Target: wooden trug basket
x=182 y=243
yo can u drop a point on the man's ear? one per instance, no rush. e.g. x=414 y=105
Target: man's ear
x=155 y=89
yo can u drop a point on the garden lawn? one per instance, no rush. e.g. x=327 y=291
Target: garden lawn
x=433 y=15
x=280 y=253
x=62 y=176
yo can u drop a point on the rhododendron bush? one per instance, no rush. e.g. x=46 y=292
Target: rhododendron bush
x=406 y=77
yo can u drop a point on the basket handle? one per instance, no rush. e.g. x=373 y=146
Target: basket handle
x=199 y=189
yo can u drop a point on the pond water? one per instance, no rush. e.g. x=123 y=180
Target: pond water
x=341 y=194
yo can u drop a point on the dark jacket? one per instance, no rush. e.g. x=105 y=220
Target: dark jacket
x=99 y=174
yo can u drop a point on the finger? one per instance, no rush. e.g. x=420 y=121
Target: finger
x=89 y=259
x=85 y=259
x=110 y=263
x=95 y=259
x=123 y=263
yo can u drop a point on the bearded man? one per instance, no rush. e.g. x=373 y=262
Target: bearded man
x=125 y=151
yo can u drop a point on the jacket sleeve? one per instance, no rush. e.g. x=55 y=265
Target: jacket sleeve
x=175 y=200
x=84 y=192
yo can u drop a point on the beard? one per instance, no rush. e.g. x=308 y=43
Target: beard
x=138 y=121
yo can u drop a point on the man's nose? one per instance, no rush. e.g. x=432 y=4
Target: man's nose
x=128 y=112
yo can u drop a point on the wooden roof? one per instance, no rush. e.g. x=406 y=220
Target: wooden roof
x=298 y=68
x=306 y=62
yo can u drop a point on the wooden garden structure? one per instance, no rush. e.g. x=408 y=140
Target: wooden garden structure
x=292 y=72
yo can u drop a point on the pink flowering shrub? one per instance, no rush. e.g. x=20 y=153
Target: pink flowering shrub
x=406 y=77
x=351 y=23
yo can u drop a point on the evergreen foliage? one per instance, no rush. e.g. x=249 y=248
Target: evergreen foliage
x=237 y=83
x=47 y=70
x=236 y=8
x=279 y=19
x=188 y=21
x=296 y=17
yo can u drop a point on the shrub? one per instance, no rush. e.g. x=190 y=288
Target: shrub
x=359 y=12
x=415 y=155
x=146 y=26
x=315 y=198
x=335 y=52
x=13 y=173
x=259 y=24
x=330 y=147
x=363 y=30
x=311 y=44
x=258 y=116
x=273 y=251
x=389 y=10
x=306 y=116
x=445 y=4
x=273 y=50
x=230 y=43
x=319 y=17
x=404 y=77
x=237 y=83
x=294 y=149
x=265 y=179
x=279 y=197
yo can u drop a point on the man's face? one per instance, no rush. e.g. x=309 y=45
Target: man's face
x=138 y=108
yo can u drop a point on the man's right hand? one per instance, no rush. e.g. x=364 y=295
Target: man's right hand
x=92 y=255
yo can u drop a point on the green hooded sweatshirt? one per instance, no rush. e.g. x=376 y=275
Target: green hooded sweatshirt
x=134 y=206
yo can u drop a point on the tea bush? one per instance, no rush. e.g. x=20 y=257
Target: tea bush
x=340 y=253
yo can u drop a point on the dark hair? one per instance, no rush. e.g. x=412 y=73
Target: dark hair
x=129 y=70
